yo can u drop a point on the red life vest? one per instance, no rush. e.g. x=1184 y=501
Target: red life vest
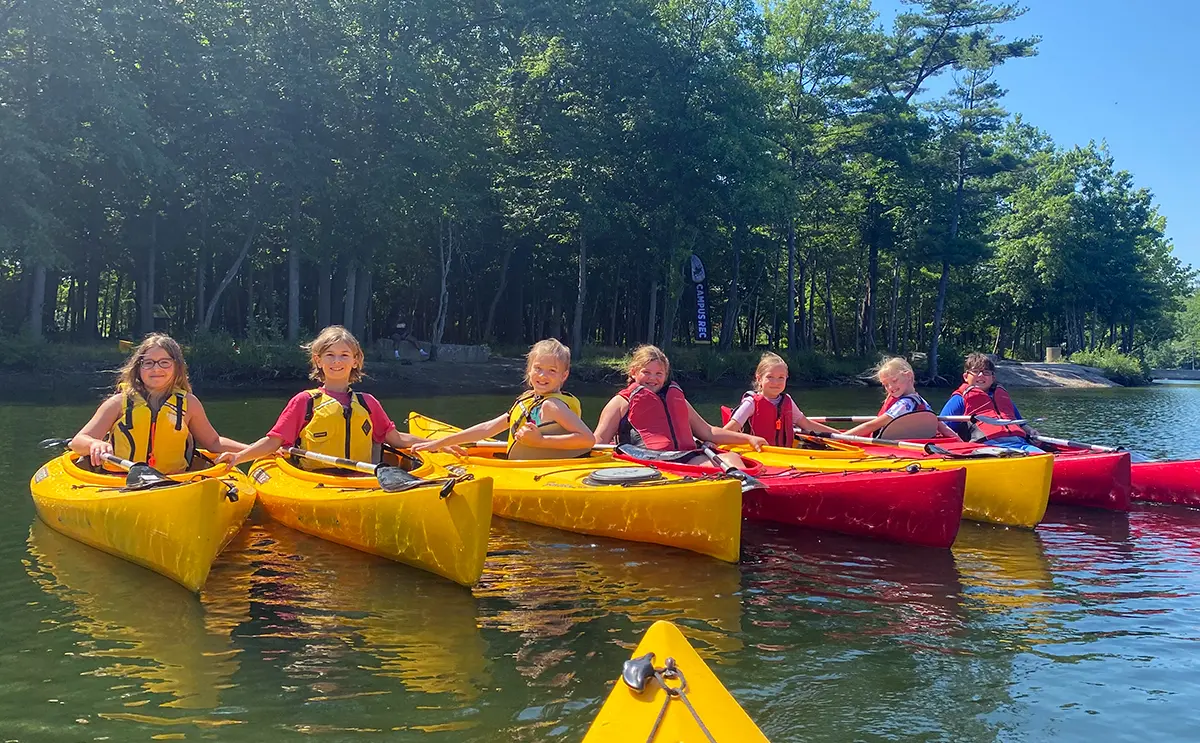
x=997 y=404
x=770 y=421
x=656 y=421
x=920 y=401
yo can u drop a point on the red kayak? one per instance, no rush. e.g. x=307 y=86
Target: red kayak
x=1173 y=481
x=1081 y=478
x=921 y=507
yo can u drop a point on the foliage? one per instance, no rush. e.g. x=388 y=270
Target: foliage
x=501 y=172
x=1119 y=367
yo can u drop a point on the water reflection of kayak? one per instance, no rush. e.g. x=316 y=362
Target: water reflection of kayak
x=556 y=580
x=142 y=628
x=419 y=628
x=912 y=591
x=1005 y=572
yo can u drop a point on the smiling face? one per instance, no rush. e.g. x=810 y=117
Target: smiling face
x=651 y=376
x=773 y=380
x=337 y=362
x=157 y=371
x=546 y=374
x=897 y=384
x=984 y=379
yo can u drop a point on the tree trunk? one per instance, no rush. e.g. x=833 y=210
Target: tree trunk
x=147 y=305
x=938 y=307
x=907 y=310
x=114 y=316
x=653 y=314
x=791 y=285
x=362 y=300
x=445 y=255
x=894 y=306
x=229 y=277
x=580 y=297
x=491 y=315
x=733 y=300
x=869 y=296
x=829 y=318
x=349 y=285
x=293 y=322
x=324 y=293
x=37 y=301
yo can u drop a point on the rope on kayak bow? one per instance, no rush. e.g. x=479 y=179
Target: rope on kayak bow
x=638 y=671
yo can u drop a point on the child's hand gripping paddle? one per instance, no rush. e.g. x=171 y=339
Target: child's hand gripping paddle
x=140 y=476
x=749 y=482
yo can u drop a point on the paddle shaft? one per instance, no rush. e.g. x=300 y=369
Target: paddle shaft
x=492 y=444
x=926 y=448
x=328 y=459
x=1077 y=444
x=950 y=418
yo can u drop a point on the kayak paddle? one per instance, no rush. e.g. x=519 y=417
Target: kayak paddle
x=912 y=445
x=1078 y=445
x=749 y=482
x=391 y=479
x=952 y=418
x=140 y=476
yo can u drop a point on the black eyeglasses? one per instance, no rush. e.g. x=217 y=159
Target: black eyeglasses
x=160 y=363
x=984 y=373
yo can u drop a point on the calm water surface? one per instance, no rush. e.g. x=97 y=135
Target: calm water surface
x=1086 y=629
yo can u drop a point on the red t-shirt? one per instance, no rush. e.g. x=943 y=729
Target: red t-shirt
x=291 y=420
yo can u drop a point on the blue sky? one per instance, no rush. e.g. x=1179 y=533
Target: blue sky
x=1121 y=71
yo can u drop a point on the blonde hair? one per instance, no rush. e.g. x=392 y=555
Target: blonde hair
x=328 y=338
x=550 y=347
x=129 y=376
x=893 y=367
x=645 y=355
x=768 y=361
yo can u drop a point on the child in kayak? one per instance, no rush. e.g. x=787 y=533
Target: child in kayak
x=896 y=376
x=331 y=419
x=153 y=417
x=980 y=395
x=768 y=411
x=653 y=413
x=544 y=421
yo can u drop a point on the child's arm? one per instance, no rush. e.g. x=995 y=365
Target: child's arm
x=871 y=426
x=476 y=432
x=578 y=435
x=947 y=431
x=202 y=430
x=704 y=431
x=956 y=405
x=90 y=439
x=741 y=414
x=264 y=446
x=610 y=420
x=804 y=424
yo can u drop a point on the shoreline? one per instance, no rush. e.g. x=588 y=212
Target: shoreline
x=498 y=375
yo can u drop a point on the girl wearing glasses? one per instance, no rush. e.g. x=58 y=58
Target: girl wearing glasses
x=980 y=395
x=153 y=417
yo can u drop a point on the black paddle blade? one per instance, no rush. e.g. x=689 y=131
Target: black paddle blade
x=54 y=443
x=448 y=489
x=144 y=477
x=397 y=480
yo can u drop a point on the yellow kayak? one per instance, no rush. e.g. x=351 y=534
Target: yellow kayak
x=1012 y=491
x=710 y=713
x=177 y=530
x=580 y=495
x=418 y=527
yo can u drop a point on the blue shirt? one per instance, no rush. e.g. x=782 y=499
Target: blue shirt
x=956 y=405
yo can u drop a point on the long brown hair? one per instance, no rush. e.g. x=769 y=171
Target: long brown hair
x=129 y=376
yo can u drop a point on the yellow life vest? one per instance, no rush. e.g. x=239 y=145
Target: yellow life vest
x=528 y=409
x=160 y=439
x=339 y=431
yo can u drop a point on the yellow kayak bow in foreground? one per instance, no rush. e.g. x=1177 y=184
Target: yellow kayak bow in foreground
x=667 y=694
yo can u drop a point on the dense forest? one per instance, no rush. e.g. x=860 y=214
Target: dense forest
x=504 y=170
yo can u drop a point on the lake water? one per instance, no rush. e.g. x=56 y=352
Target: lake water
x=1086 y=629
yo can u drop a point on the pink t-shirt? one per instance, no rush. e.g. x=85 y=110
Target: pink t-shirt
x=291 y=420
